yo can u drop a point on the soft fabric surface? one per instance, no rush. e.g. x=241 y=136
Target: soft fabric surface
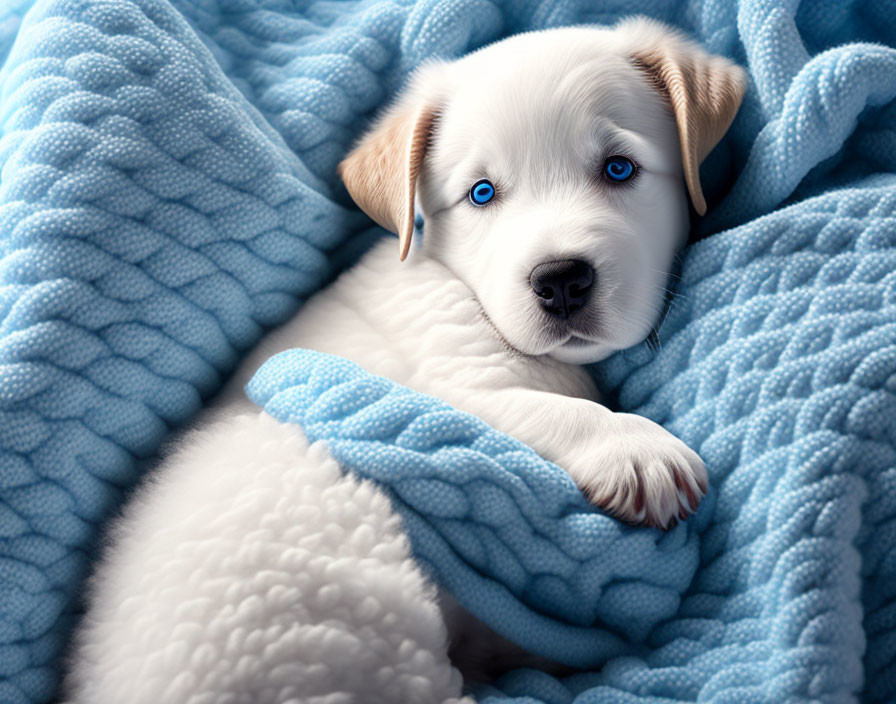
x=168 y=191
x=506 y=532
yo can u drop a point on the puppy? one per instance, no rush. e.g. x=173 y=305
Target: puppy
x=552 y=171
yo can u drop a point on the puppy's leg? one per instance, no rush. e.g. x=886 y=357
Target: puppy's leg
x=249 y=569
x=626 y=464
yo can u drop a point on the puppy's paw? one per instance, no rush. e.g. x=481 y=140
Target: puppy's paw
x=641 y=473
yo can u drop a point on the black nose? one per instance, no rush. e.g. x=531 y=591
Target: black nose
x=562 y=286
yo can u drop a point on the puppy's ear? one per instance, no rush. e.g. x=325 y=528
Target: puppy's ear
x=704 y=91
x=381 y=172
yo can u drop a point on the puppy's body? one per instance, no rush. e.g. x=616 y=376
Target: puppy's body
x=443 y=344
x=463 y=319
x=190 y=536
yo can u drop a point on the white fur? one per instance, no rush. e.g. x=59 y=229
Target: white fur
x=250 y=570
x=421 y=326
x=210 y=591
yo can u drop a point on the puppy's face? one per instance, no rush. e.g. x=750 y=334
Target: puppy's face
x=568 y=238
x=550 y=172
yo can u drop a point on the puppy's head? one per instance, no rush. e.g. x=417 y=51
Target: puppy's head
x=553 y=170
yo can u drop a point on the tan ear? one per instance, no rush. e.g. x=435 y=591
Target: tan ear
x=381 y=172
x=705 y=93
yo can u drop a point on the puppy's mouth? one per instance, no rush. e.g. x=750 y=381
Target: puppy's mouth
x=574 y=339
x=580 y=330
x=580 y=335
x=552 y=339
x=579 y=342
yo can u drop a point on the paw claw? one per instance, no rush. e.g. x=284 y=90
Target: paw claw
x=702 y=483
x=693 y=499
x=643 y=475
x=638 y=502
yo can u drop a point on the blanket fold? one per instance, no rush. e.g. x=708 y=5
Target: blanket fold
x=168 y=193
x=508 y=533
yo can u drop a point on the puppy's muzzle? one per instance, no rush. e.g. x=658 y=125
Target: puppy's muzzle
x=562 y=286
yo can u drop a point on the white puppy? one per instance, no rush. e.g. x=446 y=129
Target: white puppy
x=551 y=171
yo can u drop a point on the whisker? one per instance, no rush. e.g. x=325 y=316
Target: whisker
x=665 y=273
x=670 y=292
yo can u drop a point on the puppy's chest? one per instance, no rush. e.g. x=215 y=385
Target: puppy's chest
x=418 y=336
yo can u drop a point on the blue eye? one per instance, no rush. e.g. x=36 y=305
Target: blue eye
x=619 y=168
x=482 y=192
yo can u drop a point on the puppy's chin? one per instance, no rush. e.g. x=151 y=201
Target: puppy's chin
x=579 y=351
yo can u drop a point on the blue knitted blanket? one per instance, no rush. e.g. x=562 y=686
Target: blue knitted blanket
x=168 y=193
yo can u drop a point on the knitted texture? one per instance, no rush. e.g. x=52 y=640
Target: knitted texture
x=168 y=192
x=507 y=532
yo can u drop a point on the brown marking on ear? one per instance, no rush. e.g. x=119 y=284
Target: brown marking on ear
x=705 y=93
x=381 y=172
